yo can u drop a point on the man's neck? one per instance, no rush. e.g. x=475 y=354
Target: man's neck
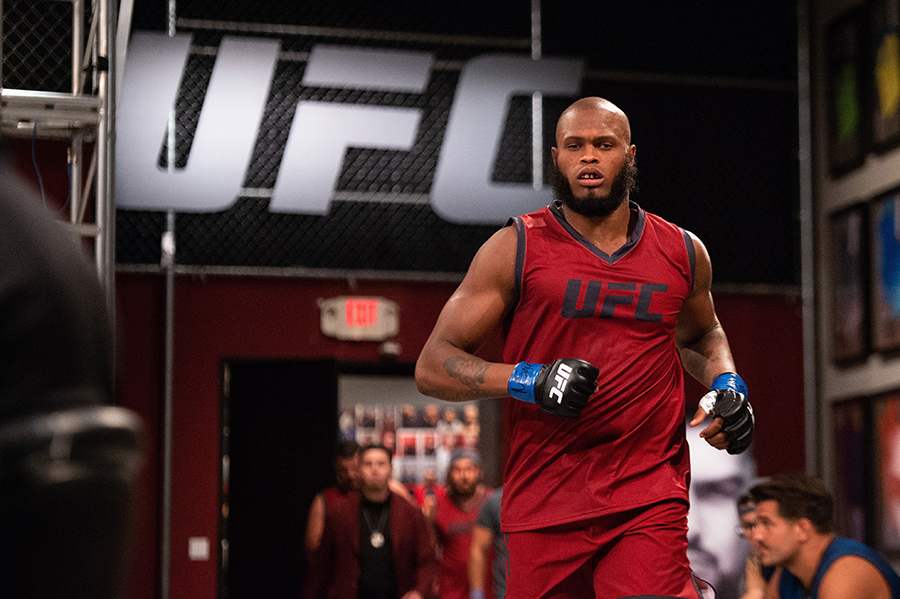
x=377 y=495
x=806 y=563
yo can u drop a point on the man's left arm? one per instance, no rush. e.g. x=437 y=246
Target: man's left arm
x=706 y=356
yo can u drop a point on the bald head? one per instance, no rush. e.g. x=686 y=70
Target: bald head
x=598 y=108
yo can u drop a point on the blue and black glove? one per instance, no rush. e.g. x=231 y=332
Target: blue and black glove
x=562 y=388
x=728 y=400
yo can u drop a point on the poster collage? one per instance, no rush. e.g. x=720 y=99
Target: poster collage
x=421 y=436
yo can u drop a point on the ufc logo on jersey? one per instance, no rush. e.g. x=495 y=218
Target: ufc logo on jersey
x=462 y=189
x=562 y=377
x=611 y=299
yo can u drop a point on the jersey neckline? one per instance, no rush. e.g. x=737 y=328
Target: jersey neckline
x=608 y=258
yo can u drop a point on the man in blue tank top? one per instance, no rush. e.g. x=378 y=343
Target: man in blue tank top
x=794 y=530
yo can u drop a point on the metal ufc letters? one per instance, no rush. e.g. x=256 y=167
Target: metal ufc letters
x=321 y=132
x=226 y=131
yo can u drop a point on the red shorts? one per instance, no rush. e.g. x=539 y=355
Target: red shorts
x=639 y=552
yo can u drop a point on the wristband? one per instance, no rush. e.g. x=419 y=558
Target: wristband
x=730 y=380
x=476 y=594
x=726 y=380
x=521 y=381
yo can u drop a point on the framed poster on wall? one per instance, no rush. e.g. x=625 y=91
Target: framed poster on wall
x=886 y=439
x=851 y=450
x=849 y=284
x=886 y=273
x=420 y=431
x=883 y=74
x=846 y=93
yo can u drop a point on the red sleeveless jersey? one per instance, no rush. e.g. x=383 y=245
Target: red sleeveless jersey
x=454 y=529
x=618 y=312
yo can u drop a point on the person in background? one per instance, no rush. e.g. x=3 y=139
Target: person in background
x=426 y=491
x=375 y=544
x=346 y=475
x=487 y=539
x=453 y=520
x=756 y=576
x=442 y=454
x=793 y=530
x=450 y=424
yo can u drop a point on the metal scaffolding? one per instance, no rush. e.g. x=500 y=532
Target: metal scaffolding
x=46 y=94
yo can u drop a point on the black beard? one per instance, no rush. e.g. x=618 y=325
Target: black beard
x=596 y=205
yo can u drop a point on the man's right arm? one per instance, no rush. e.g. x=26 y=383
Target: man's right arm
x=447 y=368
x=321 y=565
x=315 y=524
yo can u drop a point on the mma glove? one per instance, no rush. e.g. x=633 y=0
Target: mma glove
x=728 y=399
x=562 y=388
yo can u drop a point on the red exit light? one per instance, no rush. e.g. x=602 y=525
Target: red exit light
x=360 y=313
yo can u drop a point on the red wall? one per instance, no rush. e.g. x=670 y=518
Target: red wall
x=221 y=317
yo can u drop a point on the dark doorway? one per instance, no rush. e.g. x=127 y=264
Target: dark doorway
x=279 y=425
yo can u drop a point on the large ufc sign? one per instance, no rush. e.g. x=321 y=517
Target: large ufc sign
x=462 y=190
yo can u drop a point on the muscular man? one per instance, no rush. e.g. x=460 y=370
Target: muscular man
x=598 y=300
x=454 y=518
x=375 y=545
x=793 y=530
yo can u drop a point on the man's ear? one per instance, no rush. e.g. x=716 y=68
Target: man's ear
x=553 y=152
x=805 y=529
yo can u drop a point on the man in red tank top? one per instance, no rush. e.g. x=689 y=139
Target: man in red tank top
x=603 y=307
x=453 y=521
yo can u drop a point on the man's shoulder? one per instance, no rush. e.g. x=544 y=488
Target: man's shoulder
x=342 y=505
x=853 y=569
x=401 y=505
x=536 y=219
x=852 y=575
x=496 y=497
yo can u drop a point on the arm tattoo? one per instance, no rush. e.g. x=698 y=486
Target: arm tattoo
x=469 y=371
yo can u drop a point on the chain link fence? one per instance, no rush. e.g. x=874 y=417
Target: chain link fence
x=37 y=45
x=718 y=159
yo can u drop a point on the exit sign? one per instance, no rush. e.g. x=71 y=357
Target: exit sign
x=360 y=312
x=359 y=318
